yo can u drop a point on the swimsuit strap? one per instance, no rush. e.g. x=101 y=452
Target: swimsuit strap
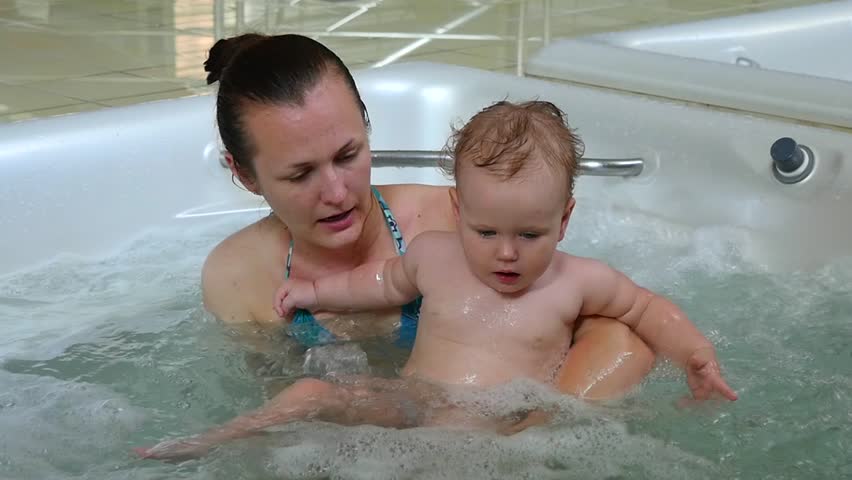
x=398 y=241
x=390 y=221
x=289 y=259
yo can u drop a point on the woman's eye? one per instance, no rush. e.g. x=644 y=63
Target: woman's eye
x=299 y=176
x=347 y=157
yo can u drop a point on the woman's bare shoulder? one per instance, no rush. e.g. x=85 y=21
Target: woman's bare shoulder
x=232 y=270
x=225 y=257
x=419 y=208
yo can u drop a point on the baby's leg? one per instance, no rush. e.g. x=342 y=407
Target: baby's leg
x=365 y=400
x=536 y=417
x=457 y=417
x=474 y=408
x=606 y=360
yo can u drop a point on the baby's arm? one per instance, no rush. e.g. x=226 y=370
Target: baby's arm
x=370 y=286
x=659 y=322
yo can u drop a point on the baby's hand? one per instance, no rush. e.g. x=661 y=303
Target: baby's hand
x=704 y=377
x=293 y=294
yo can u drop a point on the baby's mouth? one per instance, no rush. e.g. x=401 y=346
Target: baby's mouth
x=507 y=276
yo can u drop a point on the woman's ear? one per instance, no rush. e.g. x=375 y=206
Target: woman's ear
x=248 y=179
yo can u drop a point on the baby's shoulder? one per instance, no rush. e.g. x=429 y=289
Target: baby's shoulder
x=434 y=248
x=433 y=240
x=575 y=266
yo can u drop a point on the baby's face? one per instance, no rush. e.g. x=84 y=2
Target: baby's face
x=510 y=228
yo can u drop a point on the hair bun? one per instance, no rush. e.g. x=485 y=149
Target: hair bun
x=223 y=52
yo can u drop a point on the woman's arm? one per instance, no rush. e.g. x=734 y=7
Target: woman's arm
x=606 y=360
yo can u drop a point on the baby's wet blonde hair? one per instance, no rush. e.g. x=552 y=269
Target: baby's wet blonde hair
x=504 y=137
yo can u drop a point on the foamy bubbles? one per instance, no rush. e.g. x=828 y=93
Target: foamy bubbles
x=51 y=425
x=583 y=443
x=336 y=360
x=101 y=355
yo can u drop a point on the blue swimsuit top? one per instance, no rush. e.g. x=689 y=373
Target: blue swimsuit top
x=307 y=331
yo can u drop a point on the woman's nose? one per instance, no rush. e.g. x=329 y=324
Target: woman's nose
x=334 y=189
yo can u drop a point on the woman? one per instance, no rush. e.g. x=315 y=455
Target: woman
x=296 y=133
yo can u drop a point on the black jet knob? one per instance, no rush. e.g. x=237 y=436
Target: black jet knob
x=787 y=155
x=791 y=162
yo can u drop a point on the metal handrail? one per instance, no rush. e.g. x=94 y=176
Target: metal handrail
x=601 y=167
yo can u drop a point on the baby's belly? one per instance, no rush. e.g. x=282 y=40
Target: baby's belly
x=441 y=361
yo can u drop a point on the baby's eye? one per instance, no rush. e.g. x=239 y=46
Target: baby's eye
x=486 y=233
x=530 y=235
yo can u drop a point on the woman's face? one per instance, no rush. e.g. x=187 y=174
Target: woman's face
x=313 y=163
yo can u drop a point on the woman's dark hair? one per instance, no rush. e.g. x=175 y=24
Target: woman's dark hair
x=270 y=70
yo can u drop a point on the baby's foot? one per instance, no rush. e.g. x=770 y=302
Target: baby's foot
x=175 y=450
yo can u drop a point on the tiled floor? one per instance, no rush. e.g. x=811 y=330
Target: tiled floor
x=63 y=56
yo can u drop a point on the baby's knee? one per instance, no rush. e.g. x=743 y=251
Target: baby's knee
x=316 y=398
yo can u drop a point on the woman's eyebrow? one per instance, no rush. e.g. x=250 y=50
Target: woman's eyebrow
x=309 y=163
x=348 y=145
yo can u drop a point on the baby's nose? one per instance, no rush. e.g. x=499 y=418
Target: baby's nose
x=507 y=252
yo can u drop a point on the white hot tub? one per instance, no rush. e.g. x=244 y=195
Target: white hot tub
x=791 y=62
x=107 y=216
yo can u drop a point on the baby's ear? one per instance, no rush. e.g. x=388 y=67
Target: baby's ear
x=566 y=215
x=454 y=200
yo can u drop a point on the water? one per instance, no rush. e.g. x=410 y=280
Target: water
x=102 y=355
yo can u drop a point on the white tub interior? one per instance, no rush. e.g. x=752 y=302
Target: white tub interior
x=790 y=62
x=809 y=40
x=83 y=184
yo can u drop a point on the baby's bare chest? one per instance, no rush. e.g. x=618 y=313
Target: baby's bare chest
x=489 y=319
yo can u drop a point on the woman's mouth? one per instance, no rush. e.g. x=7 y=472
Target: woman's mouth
x=338 y=222
x=507 y=277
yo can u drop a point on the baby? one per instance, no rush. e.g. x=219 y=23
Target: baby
x=499 y=300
